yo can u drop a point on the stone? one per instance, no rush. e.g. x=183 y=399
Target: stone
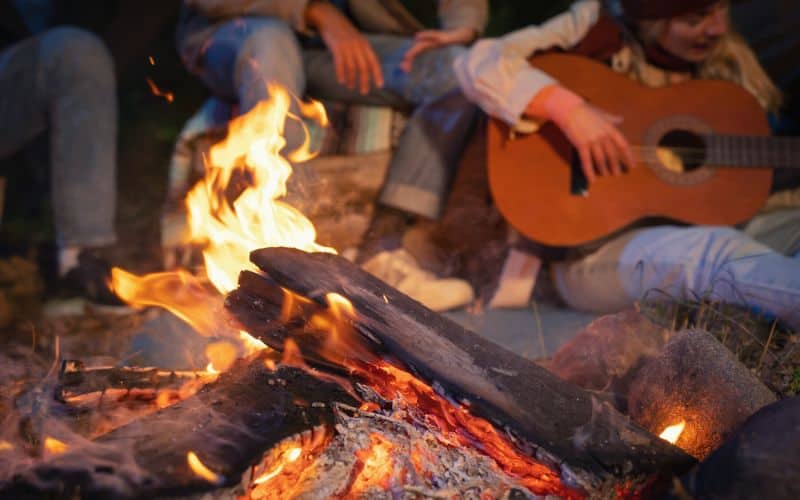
x=606 y=354
x=760 y=460
x=698 y=380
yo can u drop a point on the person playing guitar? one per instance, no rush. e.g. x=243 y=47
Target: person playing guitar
x=657 y=43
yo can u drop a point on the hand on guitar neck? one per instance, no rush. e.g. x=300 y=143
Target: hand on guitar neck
x=602 y=149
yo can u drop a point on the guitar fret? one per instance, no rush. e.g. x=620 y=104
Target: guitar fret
x=749 y=151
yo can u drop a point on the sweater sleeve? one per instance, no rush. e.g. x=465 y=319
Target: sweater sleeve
x=495 y=72
x=291 y=11
x=464 y=14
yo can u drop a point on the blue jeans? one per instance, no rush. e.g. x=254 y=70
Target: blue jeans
x=248 y=52
x=716 y=263
x=62 y=81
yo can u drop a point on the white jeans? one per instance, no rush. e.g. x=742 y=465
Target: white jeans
x=716 y=263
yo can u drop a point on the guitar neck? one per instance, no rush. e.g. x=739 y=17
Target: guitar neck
x=752 y=151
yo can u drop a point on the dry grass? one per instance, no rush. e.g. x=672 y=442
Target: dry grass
x=766 y=346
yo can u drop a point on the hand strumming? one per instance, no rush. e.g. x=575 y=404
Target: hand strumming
x=429 y=39
x=353 y=58
x=602 y=148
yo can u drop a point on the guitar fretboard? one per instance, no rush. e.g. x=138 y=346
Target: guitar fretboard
x=752 y=151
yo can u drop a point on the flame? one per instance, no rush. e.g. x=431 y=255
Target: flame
x=232 y=211
x=201 y=470
x=288 y=457
x=249 y=155
x=186 y=296
x=377 y=465
x=5 y=445
x=673 y=432
x=168 y=96
x=54 y=446
x=221 y=356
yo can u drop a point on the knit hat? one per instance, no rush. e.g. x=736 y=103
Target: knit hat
x=641 y=10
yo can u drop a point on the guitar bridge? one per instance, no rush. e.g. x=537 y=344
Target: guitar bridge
x=579 y=184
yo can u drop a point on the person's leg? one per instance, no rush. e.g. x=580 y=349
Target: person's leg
x=63 y=80
x=245 y=55
x=76 y=79
x=715 y=263
x=426 y=158
x=779 y=230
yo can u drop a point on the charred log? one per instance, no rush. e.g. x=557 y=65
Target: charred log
x=229 y=425
x=499 y=385
x=75 y=379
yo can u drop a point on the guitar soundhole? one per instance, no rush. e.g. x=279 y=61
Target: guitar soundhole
x=681 y=151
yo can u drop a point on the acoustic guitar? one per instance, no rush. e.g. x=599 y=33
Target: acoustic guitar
x=703 y=151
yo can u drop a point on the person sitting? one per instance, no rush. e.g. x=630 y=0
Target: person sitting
x=60 y=80
x=357 y=51
x=656 y=42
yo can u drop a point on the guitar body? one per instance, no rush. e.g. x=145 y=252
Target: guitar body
x=531 y=177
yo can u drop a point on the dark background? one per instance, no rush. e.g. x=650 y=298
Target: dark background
x=136 y=30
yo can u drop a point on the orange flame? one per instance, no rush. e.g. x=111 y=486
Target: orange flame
x=201 y=470
x=673 y=432
x=232 y=211
x=5 y=445
x=377 y=465
x=256 y=218
x=291 y=455
x=54 y=446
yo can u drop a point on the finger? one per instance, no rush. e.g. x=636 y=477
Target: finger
x=429 y=36
x=338 y=65
x=362 y=69
x=374 y=67
x=610 y=117
x=612 y=155
x=599 y=158
x=586 y=163
x=416 y=49
x=628 y=159
x=349 y=65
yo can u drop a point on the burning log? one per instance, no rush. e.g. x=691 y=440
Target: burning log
x=204 y=442
x=75 y=379
x=501 y=386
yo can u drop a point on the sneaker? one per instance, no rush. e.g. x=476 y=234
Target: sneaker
x=91 y=278
x=399 y=269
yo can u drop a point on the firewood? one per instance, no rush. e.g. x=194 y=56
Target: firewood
x=501 y=386
x=229 y=425
x=75 y=379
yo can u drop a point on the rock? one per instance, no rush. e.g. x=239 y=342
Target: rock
x=698 y=380
x=607 y=353
x=761 y=460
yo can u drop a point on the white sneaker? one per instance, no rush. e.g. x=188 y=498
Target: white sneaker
x=399 y=269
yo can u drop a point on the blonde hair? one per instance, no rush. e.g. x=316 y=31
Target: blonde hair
x=732 y=60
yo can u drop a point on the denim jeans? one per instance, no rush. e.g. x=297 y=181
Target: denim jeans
x=62 y=81
x=248 y=52
x=716 y=263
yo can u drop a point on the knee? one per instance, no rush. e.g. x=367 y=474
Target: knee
x=271 y=42
x=67 y=52
x=439 y=63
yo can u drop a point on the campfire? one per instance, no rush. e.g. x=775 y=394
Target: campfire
x=321 y=381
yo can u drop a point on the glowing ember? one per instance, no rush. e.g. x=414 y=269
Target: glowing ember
x=54 y=446
x=5 y=445
x=673 y=432
x=168 y=96
x=201 y=470
x=289 y=456
x=378 y=465
x=251 y=344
